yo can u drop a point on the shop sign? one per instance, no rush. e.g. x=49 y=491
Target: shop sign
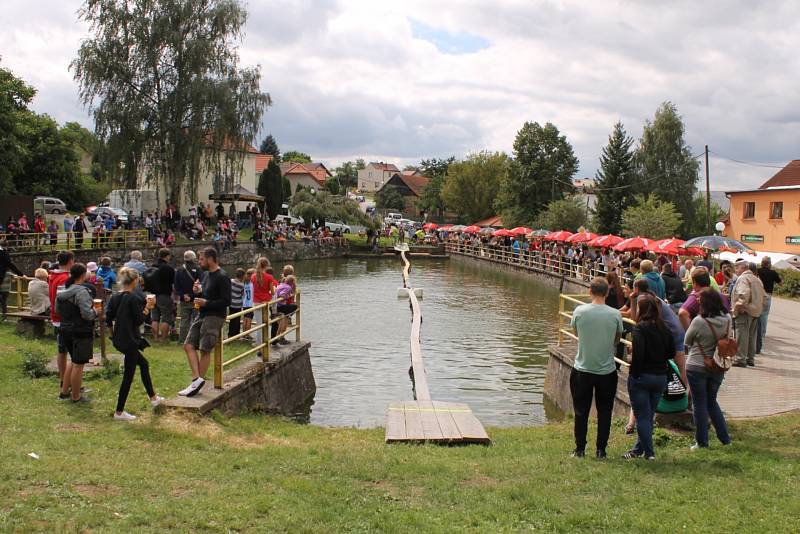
x=751 y=238
x=793 y=239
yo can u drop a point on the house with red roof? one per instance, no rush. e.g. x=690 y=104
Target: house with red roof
x=768 y=218
x=308 y=175
x=410 y=188
x=372 y=177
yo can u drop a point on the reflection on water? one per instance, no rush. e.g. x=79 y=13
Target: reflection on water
x=484 y=337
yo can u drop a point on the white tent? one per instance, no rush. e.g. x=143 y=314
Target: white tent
x=780 y=260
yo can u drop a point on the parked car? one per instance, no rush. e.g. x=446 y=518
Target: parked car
x=49 y=205
x=111 y=212
x=333 y=226
x=361 y=198
x=393 y=218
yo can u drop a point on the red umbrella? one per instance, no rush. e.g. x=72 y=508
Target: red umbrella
x=691 y=251
x=633 y=243
x=521 y=230
x=581 y=237
x=471 y=229
x=502 y=232
x=608 y=240
x=561 y=235
x=667 y=246
x=430 y=226
x=445 y=227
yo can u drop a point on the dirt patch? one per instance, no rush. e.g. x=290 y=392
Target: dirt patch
x=37 y=489
x=255 y=441
x=480 y=481
x=94 y=491
x=192 y=425
x=179 y=492
x=71 y=427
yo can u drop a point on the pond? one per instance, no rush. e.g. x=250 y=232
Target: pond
x=484 y=339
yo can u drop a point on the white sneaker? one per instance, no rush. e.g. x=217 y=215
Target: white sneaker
x=124 y=416
x=188 y=389
x=155 y=402
x=196 y=385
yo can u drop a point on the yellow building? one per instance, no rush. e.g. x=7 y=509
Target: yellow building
x=768 y=218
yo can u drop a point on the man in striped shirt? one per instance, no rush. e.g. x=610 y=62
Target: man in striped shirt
x=237 y=291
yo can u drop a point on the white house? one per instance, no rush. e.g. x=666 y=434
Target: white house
x=373 y=176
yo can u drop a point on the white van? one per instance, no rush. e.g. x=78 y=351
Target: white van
x=393 y=218
x=49 y=205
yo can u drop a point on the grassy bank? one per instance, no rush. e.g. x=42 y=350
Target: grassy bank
x=257 y=473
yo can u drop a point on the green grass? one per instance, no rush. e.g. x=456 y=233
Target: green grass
x=355 y=240
x=268 y=474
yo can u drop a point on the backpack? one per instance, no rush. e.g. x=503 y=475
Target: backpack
x=150 y=277
x=727 y=347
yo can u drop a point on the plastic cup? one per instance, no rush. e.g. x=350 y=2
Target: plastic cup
x=98 y=304
x=196 y=305
x=151 y=300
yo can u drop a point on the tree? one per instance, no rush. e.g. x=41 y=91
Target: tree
x=270 y=186
x=699 y=226
x=564 y=214
x=347 y=173
x=294 y=156
x=165 y=88
x=389 y=198
x=665 y=165
x=544 y=164
x=615 y=181
x=287 y=189
x=471 y=185
x=430 y=200
x=269 y=146
x=650 y=217
x=322 y=206
x=332 y=186
x=15 y=95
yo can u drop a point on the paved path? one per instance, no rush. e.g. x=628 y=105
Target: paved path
x=773 y=385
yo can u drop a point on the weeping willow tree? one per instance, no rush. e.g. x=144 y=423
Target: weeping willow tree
x=163 y=82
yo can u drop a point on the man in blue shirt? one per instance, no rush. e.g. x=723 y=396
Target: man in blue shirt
x=594 y=373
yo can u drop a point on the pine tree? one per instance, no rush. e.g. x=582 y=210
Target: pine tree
x=614 y=180
x=270 y=186
x=269 y=146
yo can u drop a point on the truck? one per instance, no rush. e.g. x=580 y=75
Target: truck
x=135 y=202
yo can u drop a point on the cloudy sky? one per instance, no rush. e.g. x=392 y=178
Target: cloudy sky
x=400 y=81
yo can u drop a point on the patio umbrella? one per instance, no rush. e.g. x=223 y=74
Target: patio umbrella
x=691 y=251
x=445 y=228
x=608 y=240
x=456 y=228
x=488 y=230
x=521 y=230
x=581 y=237
x=633 y=243
x=430 y=226
x=561 y=235
x=539 y=233
x=717 y=243
x=669 y=246
x=471 y=229
x=502 y=232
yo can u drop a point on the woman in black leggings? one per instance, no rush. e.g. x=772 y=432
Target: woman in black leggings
x=125 y=316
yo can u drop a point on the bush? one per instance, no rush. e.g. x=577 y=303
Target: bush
x=34 y=363
x=791 y=283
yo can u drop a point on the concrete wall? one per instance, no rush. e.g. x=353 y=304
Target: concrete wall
x=244 y=254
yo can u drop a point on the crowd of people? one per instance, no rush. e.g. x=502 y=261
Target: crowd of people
x=679 y=320
x=140 y=302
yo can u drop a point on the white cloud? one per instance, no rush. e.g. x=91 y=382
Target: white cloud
x=356 y=78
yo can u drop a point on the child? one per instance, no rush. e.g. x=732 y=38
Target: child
x=286 y=291
x=106 y=273
x=237 y=294
x=52 y=229
x=247 y=300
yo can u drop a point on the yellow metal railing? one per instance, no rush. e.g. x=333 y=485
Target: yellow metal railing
x=40 y=242
x=576 y=300
x=220 y=363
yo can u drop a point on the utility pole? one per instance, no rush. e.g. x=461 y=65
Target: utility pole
x=708 y=198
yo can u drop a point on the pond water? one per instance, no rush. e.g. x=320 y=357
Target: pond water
x=484 y=338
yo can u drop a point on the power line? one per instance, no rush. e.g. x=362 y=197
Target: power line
x=767 y=165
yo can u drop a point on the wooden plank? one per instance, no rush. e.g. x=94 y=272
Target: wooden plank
x=414 y=430
x=430 y=424
x=395 y=422
x=447 y=425
x=471 y=429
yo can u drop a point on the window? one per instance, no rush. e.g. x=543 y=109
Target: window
x=749 y=210
x=776 y=210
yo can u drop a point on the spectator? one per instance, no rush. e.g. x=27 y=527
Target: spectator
x=286 y=291
x=653 y=347
x=77 y=315
x=595 y=374
x=38 y=293
x=185 y=278
x=747 y=301
x=125 y=316
x=701 y=338
x=673 y=288
x=212 y=297
x=159 y=279
x=263 y=287
x=616 y=297
x=220 y=211
x=5 y=262
x=769 y=277
x=106 y=273
x=689 y=310
x=69 y=223
x=136 y=262
x=237 y=294
x=686 y=270
x=38 y=223
x=91 y=273
x=5 y=291
x=79 y=228
x=653 y=279
x=55 y=284
x=52 y=230
x=247 y=301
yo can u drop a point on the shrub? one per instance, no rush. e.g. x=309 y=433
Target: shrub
x=111 y=368
x=34 y=363
x=791 y=283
